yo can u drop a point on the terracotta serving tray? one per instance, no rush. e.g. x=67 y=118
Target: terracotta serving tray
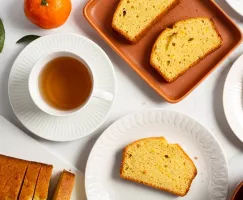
x=99 y=13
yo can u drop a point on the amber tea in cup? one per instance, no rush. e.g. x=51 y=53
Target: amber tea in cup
x=65 y=83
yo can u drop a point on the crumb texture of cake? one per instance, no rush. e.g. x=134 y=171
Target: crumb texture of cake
x=12 y=172
x=2 y=174
x=133 y=18
x=156 y=163
x=179 y=48
x=43 y=182
x=30 y=180
x=65 y=186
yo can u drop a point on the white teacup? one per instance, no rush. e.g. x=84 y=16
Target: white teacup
x=35 y=90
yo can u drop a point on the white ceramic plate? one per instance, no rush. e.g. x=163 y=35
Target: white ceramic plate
x=237 y=5
x=233 y=98
x=102 y=180
x=61 y=128
x=16 y=143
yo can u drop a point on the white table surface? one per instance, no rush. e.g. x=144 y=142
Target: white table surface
x=203 y=104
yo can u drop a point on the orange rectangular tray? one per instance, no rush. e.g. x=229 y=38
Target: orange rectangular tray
x=99 y=13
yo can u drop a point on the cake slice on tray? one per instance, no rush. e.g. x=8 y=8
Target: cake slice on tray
x=181 y=47
x=132 y=19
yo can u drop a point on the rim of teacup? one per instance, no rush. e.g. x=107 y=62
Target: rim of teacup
x=33 y=84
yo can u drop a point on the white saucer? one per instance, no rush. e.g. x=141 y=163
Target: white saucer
x=61 y=128
x=233 y=98
x=237 y=5
x=102 y=177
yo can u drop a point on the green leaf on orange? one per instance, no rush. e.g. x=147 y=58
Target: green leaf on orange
x=2 y=36
x=28 y=39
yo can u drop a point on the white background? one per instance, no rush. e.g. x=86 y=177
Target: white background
x=203 y=104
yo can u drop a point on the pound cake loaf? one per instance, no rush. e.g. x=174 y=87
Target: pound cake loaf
x=65 y=186
x=12 y=172
x=179 y=48
x=30 y=180
x=43 y=182
x=155 y=163
x=133 y=18
x=2 y=161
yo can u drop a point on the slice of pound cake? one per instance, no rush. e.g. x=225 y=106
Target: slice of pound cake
x=31 y=176
x=133 y=18
x=179 y=48
x=43 y=182
x=155 y=163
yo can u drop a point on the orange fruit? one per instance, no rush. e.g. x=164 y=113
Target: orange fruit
x=47 y=14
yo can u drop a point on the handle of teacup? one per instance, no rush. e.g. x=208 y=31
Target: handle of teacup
x=103 y=95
